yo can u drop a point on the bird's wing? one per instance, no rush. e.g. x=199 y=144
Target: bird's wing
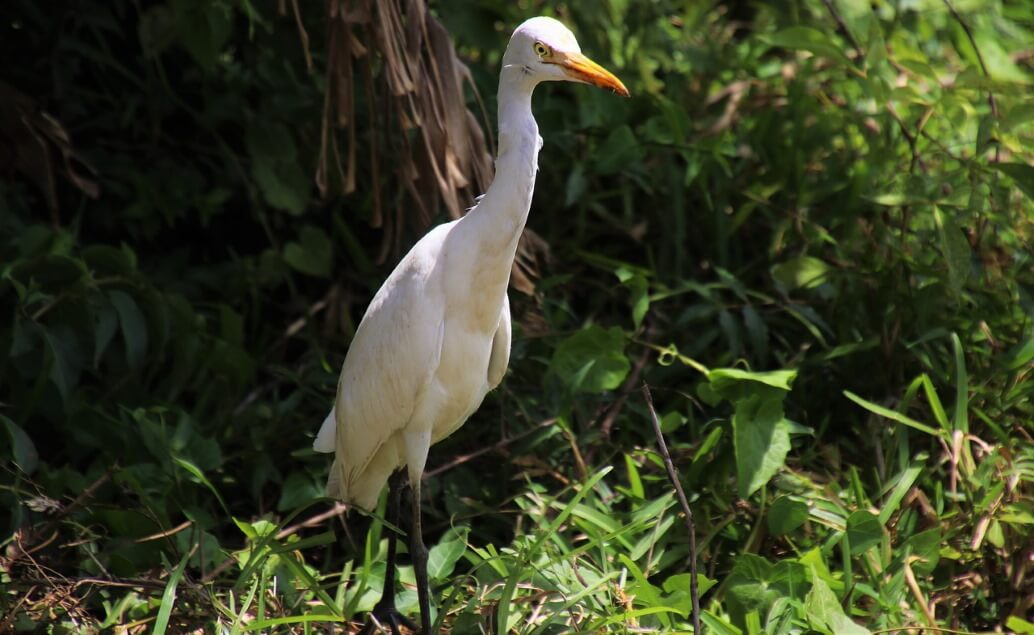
x=392 y=358
x=500 y=357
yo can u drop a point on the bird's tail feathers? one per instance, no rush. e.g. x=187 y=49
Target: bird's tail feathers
x=325 y=438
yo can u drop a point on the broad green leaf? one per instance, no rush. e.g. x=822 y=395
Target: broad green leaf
x=761 y=439
x=104 y=328
x=926 y=546
x=754 y=584
x=24 y=450
x=65 y=356
x=785 y=515
x=156 y=29
x=1019 y=625
x=678 y=589
x=592 y=360
x=757 y=331
x=577 y=185
x=620 y=150
x=805 y=38
x=1018 y=116
x=825 y=613
x=203 y=29
x=723 y=378
x=283 y=186
x=311 y=254
x=639 y=290
x=442 y=558
x=1022 y=174
x=803 y=272
x=863 y=530
x=105 y=260
x=298 y=488
x=134 y=327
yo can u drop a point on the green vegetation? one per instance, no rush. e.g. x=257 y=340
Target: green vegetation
x=810 y=231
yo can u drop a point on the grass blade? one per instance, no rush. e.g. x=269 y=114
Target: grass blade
x=893 y=415
x=169 y=596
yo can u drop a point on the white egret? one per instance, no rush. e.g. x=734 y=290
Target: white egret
x=436 y=336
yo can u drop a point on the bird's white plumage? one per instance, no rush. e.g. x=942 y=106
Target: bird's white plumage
x=436 y=336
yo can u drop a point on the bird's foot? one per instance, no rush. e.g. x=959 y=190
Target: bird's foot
x=385 y=618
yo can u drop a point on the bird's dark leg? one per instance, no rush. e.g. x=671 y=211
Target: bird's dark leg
x=384 y=611
x=419 y=554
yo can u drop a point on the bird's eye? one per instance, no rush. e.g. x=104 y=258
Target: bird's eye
x=541 y=49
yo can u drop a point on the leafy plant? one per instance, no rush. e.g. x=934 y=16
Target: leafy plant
x=809 y=231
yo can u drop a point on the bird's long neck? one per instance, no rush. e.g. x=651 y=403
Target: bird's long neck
x=500 y=216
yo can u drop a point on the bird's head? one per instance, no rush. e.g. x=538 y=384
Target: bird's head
x=546 y=50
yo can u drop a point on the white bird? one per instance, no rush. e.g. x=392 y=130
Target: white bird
x=436 y=336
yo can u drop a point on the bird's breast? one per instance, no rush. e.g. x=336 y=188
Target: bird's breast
x=461 y=380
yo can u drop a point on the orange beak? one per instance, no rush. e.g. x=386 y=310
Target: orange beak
x=582 y=69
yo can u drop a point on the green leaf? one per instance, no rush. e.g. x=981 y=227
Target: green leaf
x=926 y=546
x=619 y=151
x=1020 y=355
x=592 y=360
x=1019 y=625
x=24 y=450
x=955 y=249
x=757 y=331
x=761 y=439
x=803 y=272
x=577 y=185
x=156 y=29
x=200 y=476
x=785 y=515
x=893 y=415
x=312 y=254
x=960 y=420
x=679 y=589
x=639 y=290
x=863 y=531
x=105 y=325
x=134 y=327
x=442 y=558
x=1022 y=174
x=298 y=489
x=722 y=379
x=1018 y=116
x=805 y=38
x=66 y=359
x=284 y=186
x=202 y=28
x=824 y=611
x=161 y=622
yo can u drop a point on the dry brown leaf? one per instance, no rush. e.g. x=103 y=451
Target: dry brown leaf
x=416 y=111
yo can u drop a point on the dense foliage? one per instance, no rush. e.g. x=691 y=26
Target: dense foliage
x=809 y=231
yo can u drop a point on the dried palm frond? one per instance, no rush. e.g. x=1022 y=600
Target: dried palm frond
x=413 y=84
x=28 y=138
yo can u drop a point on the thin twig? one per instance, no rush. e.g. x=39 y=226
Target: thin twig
x=917 y=593
x=843 y=27
x=463 y=458
x=673 y=476
x=983 y=67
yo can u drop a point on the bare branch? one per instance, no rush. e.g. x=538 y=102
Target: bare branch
x=673 y=476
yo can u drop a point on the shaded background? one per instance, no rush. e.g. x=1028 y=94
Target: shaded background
x=830 y=188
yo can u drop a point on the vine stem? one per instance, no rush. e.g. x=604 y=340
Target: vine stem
x=673 y=476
